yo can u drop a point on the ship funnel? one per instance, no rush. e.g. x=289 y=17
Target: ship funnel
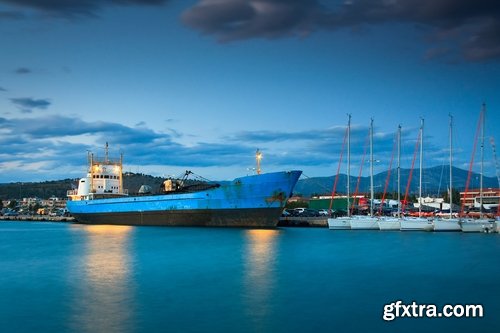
x=84 y=186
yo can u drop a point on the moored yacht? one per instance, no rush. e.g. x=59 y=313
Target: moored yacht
x=339 y=223
x=367 y=222
x=482 y=224
x=389 y=223
x=449 y=224
x=478 y=225
x=361 y=222
x=394 y=223
x=418 y=223
x=344 y=222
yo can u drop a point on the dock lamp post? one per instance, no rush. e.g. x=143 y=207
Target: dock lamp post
x=258 y=157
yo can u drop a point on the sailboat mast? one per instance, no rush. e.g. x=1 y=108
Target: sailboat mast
x=371 y=167
x=399 y=171
x=482 y=160
x=421 y=163
x=451 y=163
x=348 y=163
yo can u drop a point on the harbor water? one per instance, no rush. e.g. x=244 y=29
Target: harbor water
x=62 y=277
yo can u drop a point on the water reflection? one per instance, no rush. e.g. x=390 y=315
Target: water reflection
x=260 y=274
x=103 y=301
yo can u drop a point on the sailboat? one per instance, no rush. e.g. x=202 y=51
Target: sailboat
x=482 y=224
x=363 y=221
x=418 y=223
x=344 y=222
x=394 y=223
x=450 y=224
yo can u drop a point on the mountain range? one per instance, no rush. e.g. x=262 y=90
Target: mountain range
x=435 y=180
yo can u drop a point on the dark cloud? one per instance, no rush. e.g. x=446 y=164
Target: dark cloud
x=3 y=89
x=27 y=104
x=242 y=19
x=469 y=29
x=460 y=29
x=69 y=8
x=23 y=70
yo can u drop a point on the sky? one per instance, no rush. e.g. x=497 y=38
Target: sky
x=201 y=85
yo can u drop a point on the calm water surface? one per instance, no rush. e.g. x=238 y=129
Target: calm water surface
x=77 y=278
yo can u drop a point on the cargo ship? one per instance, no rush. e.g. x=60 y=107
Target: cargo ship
x=250 y=201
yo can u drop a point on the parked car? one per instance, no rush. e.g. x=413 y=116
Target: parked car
x=309 y=213
x=298 y=211
x=323 y=212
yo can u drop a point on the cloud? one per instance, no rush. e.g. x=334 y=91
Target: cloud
x=28 y=104
x=71 y=8
x=2 y=89
x=23 y=70
x=462 y=29
x=57 y=145
x=240 y=19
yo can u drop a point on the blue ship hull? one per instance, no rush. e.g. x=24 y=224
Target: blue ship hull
x=251 y=201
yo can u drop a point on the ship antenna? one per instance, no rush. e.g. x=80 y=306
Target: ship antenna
x=106 y=153
x=258 y=157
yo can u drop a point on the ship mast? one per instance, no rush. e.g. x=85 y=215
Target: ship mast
x=421 y=162
x=348 y=163
x=399 y=171
x=482 y=160
x=451 y=168
x=371 y=167
x=106 y=153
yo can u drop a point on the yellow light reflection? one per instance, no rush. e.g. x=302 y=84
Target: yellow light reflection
x=103 y=304
x=260 y=273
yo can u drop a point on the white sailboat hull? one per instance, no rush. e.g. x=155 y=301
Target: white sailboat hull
x=416 y=224
x=364 y=223
x=480 y=225
x=389 y=224
x=339 y=223
x=447 y=225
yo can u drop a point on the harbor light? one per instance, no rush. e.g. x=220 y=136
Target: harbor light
x=258 y=157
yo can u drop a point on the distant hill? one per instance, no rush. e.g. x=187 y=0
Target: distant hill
x=435 y=180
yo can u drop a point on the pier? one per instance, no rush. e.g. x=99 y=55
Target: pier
x=38 y=218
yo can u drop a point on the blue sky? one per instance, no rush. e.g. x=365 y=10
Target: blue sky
x=201 y=85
